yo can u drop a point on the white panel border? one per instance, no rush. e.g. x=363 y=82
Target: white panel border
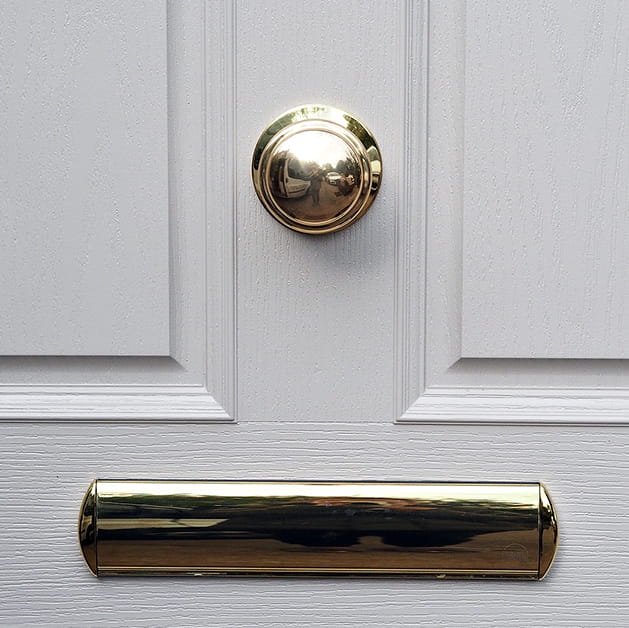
x=201 y=36
x=428 y=260
x=410 y=228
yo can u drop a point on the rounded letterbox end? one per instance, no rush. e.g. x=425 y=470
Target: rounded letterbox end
x=87 y=528
x=549 y=532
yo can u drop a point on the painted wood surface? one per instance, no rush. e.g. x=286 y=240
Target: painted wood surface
x=46 y=468
x=314 y=311
x=546 y=189
x=315 y=346
x=194 y=379
x=438 y=383
x=84 y=179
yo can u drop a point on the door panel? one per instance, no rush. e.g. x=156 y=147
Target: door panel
x=47 y=468
x=545 y=181
x=389 y=351
x=175 y=285
x=315 y=315
x=444 y=380
x=85 y=181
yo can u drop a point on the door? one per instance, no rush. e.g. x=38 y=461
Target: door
x=156 y=322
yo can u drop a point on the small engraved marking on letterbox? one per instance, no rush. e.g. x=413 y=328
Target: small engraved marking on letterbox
x=515 y=552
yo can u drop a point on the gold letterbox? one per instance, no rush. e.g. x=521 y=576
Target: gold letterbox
x=465 y=530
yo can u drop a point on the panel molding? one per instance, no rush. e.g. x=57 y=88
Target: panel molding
x=410 y=228
x=434 y=384
x=189 y=404
x=510 y=406
x=220 y=168
x=197 y=382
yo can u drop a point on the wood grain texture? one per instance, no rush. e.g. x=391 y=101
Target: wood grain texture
x=498 y=390
x=410 y=220
x=546 y=192
x=196 y=378
x=84 y=179
x=44 y=470
x=187 y=404
x=315 y=350
x=315 y=313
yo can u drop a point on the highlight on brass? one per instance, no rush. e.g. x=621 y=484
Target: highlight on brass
x=460 y=530
x=316 y=169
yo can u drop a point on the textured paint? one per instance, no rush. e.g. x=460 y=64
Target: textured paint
x=83 y=179
x=336 y=337
x=45 y=469
x=195 y=379
x=314 y=311
x=436 y=382
x=545 y=220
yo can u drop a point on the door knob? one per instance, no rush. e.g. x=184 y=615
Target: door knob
x=316 y=169
x=318 y=528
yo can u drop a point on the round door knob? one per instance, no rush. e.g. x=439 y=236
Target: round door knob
x=316 y=169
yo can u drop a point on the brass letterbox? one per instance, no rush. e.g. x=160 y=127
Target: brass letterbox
x=462 y=530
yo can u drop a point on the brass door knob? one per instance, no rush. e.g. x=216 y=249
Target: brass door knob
x=316 y=169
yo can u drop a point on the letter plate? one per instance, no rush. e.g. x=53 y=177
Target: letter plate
x=461 y=530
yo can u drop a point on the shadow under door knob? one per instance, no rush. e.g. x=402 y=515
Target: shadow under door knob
x=316 y=169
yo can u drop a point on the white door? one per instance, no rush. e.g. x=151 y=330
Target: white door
x=155 y=322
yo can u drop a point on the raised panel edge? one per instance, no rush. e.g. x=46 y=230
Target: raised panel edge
x=415 y=401
x=216 y=400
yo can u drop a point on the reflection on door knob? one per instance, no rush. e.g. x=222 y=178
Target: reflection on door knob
x=316 y=169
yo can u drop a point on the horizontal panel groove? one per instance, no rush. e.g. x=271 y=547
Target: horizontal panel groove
x=23 y=365
x=569 y=396
x=187 y=404
x=502 y=407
